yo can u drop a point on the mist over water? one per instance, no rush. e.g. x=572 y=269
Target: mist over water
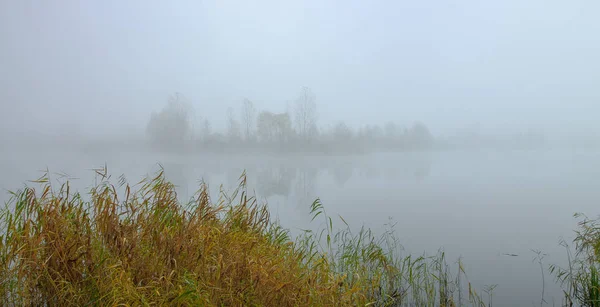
x=478 y=205
x=471 y=126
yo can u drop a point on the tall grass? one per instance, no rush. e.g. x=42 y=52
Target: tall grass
x=580 y=279
x=139 y=245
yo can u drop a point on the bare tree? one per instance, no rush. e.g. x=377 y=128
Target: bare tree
x=233 y=127
x=274 y=127
x=248 y=115
x=391 y=130
x=207 y=129
x=171 y=126
x=306 y=113
x=419 y=135
x=342 y=133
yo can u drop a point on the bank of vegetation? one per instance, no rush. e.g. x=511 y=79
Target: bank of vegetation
x=581 y=278
x=177 y=127
x=124 y=244
x=138 y=245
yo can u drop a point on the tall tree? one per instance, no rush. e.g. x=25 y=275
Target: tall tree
x=248 y=115
x=171 y=126
x=233 y=127
x=342 y=133
x=306 y=113
x=273 y=127
x=206 y=129
x=420 y=136
x=391 y=130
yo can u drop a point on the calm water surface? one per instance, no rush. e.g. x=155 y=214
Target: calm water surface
x=474 y=204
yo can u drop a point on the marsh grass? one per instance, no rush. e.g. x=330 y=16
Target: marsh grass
x=580 y=280
x=139 y=245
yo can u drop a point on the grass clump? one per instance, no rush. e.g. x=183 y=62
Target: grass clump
x=139 y=245
x=580 y=280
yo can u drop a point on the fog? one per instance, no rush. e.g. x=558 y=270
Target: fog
x=474 y=124
x=505 y=66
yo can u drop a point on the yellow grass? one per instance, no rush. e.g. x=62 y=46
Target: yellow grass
x=126 y=248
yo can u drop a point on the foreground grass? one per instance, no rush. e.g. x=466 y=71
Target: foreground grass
x=581 y=279
x=138 y=245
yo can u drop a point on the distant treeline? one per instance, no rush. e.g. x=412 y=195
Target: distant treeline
x=292 y=131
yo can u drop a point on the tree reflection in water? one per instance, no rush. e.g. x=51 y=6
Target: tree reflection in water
x=272 y=181
x=342 y=172
x=304 y=192
x=295 y=181
x=176 y=174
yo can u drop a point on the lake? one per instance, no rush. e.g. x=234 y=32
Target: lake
x=475 y=204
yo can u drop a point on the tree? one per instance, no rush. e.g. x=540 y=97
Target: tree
x=248 y=115
x=273 y=127
x=171 y=126
x=306 y=113
x=419 y=136
x=371 y=133
x=233 y=127
x=391 y=130
x=207 y=129
x=342 y=133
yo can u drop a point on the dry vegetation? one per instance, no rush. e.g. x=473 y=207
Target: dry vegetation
x=138 y=245
x=581 y=279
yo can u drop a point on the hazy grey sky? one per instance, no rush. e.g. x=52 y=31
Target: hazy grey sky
x=105 y=65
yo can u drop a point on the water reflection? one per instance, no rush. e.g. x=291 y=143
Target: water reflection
x=297 y=181
x=301 y=181
x=274 y=181
x=177 y=174
x=370 y=172
x=304 y=192
x=342 y=173
x=233 y=176
x=422 y=172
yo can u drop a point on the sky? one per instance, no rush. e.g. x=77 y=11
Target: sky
x=101 y=67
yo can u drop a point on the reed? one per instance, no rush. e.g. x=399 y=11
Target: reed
x=139 y=245
x=580 y=280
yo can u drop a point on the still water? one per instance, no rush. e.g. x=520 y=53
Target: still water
x=475 y=204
